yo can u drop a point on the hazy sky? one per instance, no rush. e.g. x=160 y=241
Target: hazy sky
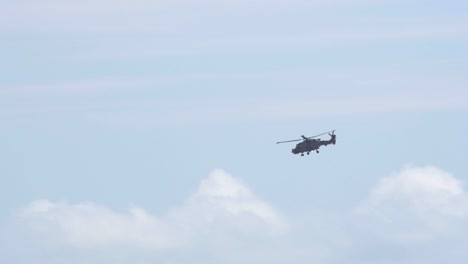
x=144 y=131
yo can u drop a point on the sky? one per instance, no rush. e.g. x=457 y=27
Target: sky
x=145 y=131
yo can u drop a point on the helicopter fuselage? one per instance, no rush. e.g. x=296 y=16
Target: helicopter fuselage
x=310 y=145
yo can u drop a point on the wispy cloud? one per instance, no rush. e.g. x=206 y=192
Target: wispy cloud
x=223 y=111
x=76 y=8
x=198 y=20
x=319 y=38
x=175 y=112
x=140 y=15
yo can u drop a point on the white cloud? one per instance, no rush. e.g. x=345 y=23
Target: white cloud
x=91 y=225
x=423 y=189
x=223 y=193
x=221 y=202
x=412 y=212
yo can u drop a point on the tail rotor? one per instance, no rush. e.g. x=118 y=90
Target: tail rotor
x=333 y=137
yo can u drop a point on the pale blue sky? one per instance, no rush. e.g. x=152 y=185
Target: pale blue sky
x=135 y=103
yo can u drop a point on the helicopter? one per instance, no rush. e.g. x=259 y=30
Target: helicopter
x=309 y=144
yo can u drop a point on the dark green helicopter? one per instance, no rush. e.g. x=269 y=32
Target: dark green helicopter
x=309 y=144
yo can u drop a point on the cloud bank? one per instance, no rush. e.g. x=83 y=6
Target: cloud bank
x=415 y=215
x=221 y=202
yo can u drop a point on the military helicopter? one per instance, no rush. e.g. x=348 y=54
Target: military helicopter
x=310 y=144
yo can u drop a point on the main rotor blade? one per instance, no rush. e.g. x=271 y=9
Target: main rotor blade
x=322 y=134
x=288 y=141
